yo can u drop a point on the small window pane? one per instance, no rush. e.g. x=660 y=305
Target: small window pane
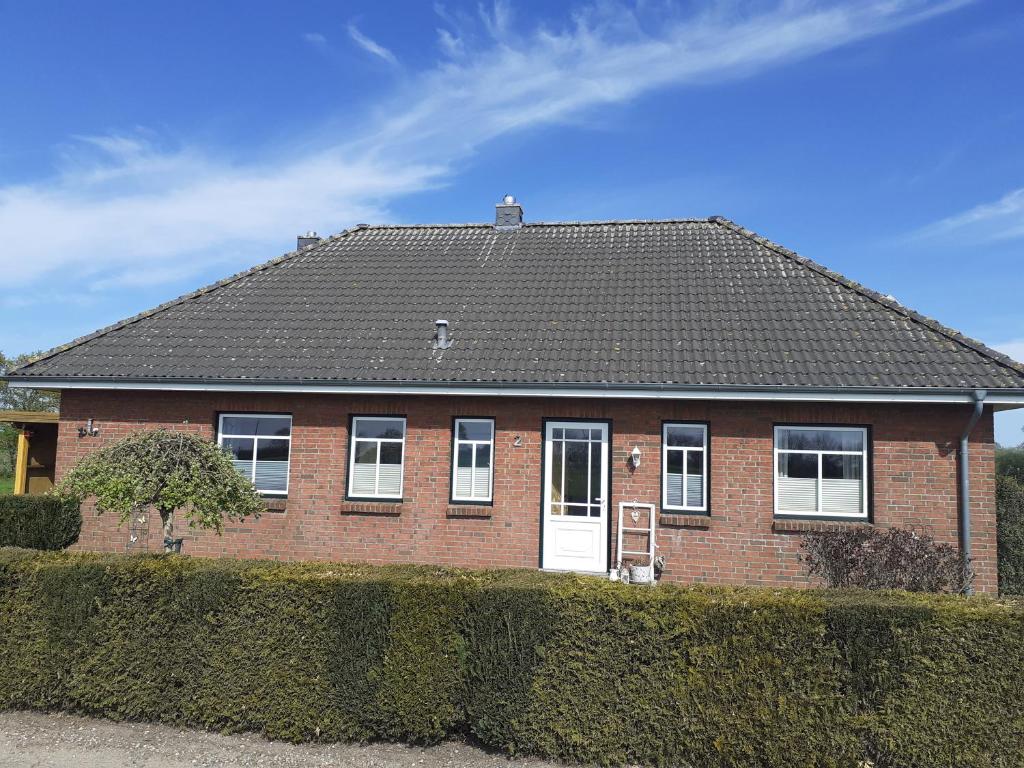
x=475 y=430
x=798 y=465
x=695 y=462
x=380 y=428
x=239 y=425
x=576 y=464
x=483 y=456
x=557 y=450
x=366 y=452
x=675 y=462
x=272 y=450
x=465 y=456
x=688 y=437
x=390 y=453
x=838 y=467
x=239 y=447
x=557 y=434
x=821 y=440
x=577 y=434
x=577 y=510
x=595 y=472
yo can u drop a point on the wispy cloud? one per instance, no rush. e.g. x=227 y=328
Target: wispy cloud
x=315 y=39
x=999 y=220
x=371 y=46
x=124 y=204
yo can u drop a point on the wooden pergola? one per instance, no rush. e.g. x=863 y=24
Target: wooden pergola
x=37 y=449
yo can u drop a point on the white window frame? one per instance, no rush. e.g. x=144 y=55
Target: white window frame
x=456 y=442
x=703 y=508
x=864 y=499
x=352 y=440
x=256 y=438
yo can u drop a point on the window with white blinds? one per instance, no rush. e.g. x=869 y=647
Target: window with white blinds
x=821 y=471
x=684 y=462
x=376 y=457
x=260 y=448
x=472 y=460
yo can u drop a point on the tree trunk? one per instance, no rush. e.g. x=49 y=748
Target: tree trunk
x=167 y=517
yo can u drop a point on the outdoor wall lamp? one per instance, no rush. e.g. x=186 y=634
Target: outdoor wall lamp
x=88 y=430
x=635 y=456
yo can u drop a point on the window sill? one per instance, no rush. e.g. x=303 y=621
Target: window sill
x=789 y=525
x=275 y=503
x=682 y=520
x=468 y=510
x=381 y=509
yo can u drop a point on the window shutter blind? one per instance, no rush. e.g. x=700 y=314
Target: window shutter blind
x=463 y=482
x=674 y=489
x=482 y=483
x=244 y=467
x=363 y=479
x=271 y=475
x=798 y=494
x=694 y=491
x=843 y=497
x=390 y=482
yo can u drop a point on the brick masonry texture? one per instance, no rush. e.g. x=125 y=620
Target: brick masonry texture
x=913 y=460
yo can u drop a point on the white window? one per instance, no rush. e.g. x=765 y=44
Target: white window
x=472 y=470
x=684 y=462
x=376 y=457
x=821 y=471
x=260 y=447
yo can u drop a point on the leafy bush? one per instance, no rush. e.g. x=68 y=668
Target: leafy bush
x=869 y=558
x=560 y=666
x=1010 y=463
x=1010 y=533
x=38 y=522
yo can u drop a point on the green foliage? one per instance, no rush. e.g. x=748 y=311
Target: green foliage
x=1010 y=463
x=6 y=485
x=25 y=399
x=560 y=666
x=168 y=470
x=38 y=522
x=1010 y=534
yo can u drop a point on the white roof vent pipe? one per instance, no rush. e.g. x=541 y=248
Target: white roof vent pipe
x=441 y=338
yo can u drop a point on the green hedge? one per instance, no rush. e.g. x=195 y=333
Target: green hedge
x=1010 y=533
x=562 y=667
x=38 y=522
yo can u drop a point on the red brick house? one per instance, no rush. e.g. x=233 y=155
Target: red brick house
x=748 y=393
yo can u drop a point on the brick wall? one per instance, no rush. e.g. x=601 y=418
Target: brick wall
x=914 y=461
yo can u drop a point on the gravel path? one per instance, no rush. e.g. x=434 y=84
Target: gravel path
x=32 y=740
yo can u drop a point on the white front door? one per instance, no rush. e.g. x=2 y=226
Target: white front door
x=575 y=520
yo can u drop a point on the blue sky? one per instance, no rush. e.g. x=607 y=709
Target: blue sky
x=149 y=148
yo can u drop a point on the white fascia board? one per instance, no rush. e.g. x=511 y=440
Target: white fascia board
x=567 y=391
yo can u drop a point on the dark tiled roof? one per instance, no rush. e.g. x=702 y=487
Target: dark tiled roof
x=689 y=303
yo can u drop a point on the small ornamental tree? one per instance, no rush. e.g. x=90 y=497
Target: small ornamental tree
x=170 y=471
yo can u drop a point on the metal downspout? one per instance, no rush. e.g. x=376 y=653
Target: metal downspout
x=965 y=480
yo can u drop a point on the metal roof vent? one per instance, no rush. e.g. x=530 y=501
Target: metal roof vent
x=508 y=214
x=441 y=339
x=310 y=238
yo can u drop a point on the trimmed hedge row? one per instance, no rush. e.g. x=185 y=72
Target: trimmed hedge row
x=1010 y=534
x=38 y=522
x=558 y=666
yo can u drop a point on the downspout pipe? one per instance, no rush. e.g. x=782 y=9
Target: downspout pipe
x=965 y=479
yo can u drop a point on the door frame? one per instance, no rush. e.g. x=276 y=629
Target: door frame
x=543 y=464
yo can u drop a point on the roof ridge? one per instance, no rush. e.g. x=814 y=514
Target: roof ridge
x=891 y=304
x=184 y=298
x=571 y=223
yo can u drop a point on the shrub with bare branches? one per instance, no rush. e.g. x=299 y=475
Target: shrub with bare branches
x=894 y=558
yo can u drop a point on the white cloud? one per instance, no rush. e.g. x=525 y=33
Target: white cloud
x=126 y=210
x=371 y=46
x=999 y=220
x=315 y=39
